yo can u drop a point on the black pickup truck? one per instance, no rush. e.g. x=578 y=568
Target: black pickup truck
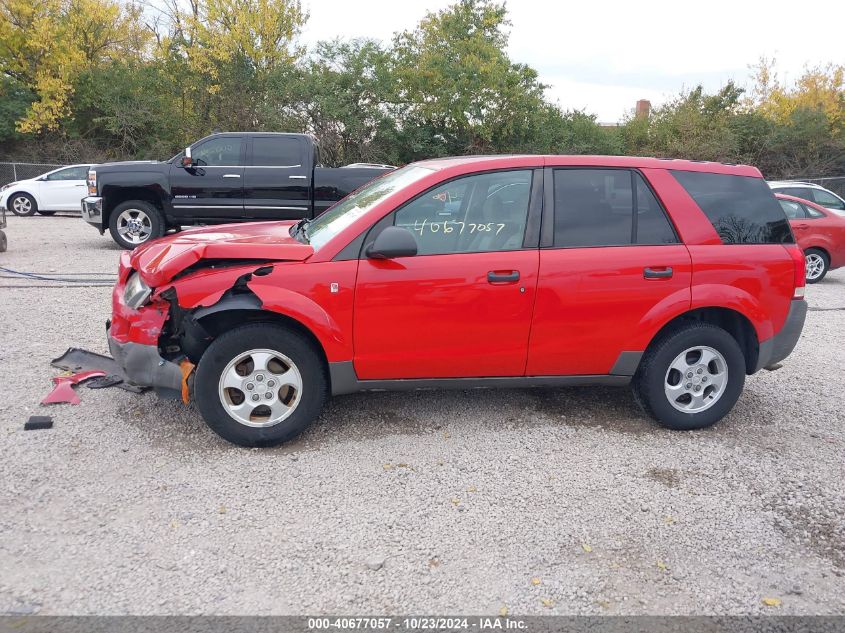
x=226 y=177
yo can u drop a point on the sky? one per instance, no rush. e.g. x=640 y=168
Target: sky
x=604 y=55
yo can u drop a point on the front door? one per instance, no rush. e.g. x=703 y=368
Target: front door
x=277 y=179
x=212 y=188
x=462 y=306
x=612 y=259
x=63 y=189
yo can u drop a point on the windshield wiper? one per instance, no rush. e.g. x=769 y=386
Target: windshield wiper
x=300 y=229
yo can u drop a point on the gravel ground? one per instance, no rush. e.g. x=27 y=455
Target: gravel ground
x=542 y=501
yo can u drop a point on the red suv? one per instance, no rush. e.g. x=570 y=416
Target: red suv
x=677 y=277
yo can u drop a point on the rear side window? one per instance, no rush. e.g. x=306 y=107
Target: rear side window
x=742 y=209
x=595 y=207
x=276 y=151
x=827 y=199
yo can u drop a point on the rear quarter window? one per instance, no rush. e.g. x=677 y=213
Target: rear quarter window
x=742 y=209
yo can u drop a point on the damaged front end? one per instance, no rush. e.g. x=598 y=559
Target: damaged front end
x=158 y=344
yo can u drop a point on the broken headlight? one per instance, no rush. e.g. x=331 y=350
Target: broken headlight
x=137 y=292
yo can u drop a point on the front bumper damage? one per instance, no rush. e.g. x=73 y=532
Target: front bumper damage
x=143 y=365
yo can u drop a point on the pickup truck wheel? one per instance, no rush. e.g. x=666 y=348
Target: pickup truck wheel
x=134 y=223
x=260 y=385
x=690 y=377
x=817 y=264
x=22 y=204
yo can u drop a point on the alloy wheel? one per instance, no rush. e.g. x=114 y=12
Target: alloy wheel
x=815 y=266
x=134 y=226
x=22 y=205
x=696 y=379
x=260 y=388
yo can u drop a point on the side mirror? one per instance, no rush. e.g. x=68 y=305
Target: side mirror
x=187 y=161
x=394 y=241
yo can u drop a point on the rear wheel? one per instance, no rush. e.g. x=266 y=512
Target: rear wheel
x=22 y=204
x=691 y=377
x=260 y=385
x=134 y=223
x=817 y=264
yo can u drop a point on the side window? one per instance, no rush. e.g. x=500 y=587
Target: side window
x=742 y=209
x=793 y=210
x=484 y=212
x=71 y=173
x=595 y=207
x=827 y=199
x=276 y=151
x=798 y=192
x=223 y=151
x=653 y=227
x=811 y=212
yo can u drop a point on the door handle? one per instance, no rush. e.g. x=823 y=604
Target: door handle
x=82 y=185
x=231 y=175
x=802 y=226
x=661 y=273
x=498 y=277
x=297 y=177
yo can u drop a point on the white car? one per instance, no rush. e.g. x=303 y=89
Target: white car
x=811 y=192
x=58 y=190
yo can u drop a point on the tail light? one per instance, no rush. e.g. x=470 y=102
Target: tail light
x=92 y=182
x=800 y=270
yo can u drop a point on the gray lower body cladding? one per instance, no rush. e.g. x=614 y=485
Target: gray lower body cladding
x=781 y=344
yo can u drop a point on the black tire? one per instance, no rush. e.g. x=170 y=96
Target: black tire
x=821 y=257
x=226 y=348
x=648 y=383
x=40 y=212
x=150 y=217
x=31 y=205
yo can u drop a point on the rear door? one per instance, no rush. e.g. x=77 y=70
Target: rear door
x=609 y=256
x=212 y=188
x=462 y=306
x=63 y=189
x=277 y=179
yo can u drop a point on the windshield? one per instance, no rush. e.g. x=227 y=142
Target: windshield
x=326 y=226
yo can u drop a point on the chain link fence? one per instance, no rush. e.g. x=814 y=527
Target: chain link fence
x=11 y=172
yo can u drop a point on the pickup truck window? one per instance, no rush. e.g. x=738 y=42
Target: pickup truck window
x=276 y=151
x=224 y=151
x=326 y=226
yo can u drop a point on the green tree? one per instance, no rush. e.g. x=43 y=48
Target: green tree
x=455 y=90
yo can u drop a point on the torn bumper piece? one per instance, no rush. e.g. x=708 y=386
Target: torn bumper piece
x=142 y=365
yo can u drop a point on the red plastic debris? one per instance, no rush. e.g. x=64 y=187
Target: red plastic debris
x=75 y=379
x=63 y=391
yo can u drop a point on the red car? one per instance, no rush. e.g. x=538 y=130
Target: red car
x=820 y=233
x=677 y=277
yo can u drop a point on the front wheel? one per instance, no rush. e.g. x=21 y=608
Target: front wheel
x=817 y=264
x=134 y=223
x=260 y=385
x=23 y=204
x=691 y=377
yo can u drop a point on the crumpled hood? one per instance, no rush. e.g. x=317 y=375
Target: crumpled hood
x=164 y=258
